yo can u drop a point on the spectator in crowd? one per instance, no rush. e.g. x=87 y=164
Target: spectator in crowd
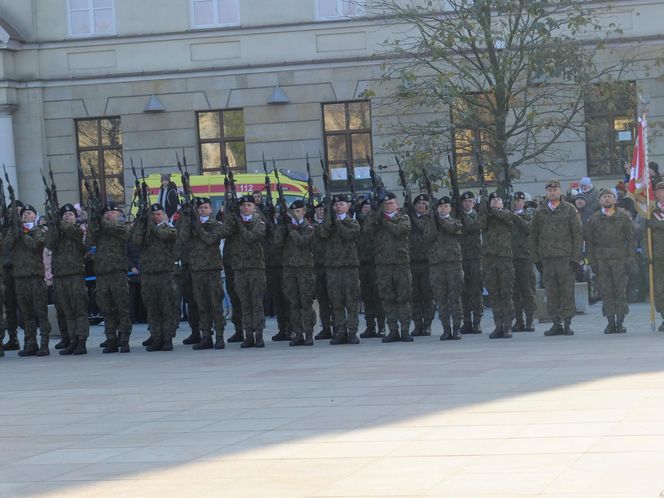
x=653 y=172
x=168 y=195
x=623 y=201
x=587 y=188
x=581 y=204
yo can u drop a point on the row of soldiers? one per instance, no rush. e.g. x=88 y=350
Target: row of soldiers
x=418 y=258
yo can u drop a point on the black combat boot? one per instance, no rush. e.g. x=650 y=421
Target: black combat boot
x=498 y=331
x=12 y=343
x=80 y=346
x=405 y=335
x=352 y=337
x=124 y=343
x=381 y=326
x=249 y=341
x=204 y=343
x=30 y=347
x=426 y=328
x=64 y=341
x=529 y=326
x=111 y=345
x=620 y=327
x=297 y=340
x=147 y=342
x=219 y=340
x=325 y=333
x=447 y=330
x=477 y=327
x=309 y=339
x=417 y=330
x=467 y=327
x=567 y=330
x=155 y=344
x=507 y=332
x=43 y=348
x=341 y=337
x=556 y=329
x=69 y=350
x=259 y=339
x=370 y=331
x=282 y=335
x=519 y=326
x=238 y=336
x=456 y=330
x=167 y=344
x=104 y=343
x=393 y=335
x=611 y=326
x=194 y=338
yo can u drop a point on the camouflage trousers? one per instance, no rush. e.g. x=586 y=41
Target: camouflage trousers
x=10 y=301
x=343 y=287
x=472 y=289
x=422 y=305
x=250 y=287
x=112 y=295
x=523 y=294
x=395 y=290
x=158 y=292
x=209 y=296
x=275 y=286
x=71 y=299
x=612 y=278
x=558 y=278
x=236 y=305
x=184 y=291
x=373 y=307
x=33 y=303
x=322 y=296
x=299 y=289
x=499 y=280
x=658 y=271
x=447 y=280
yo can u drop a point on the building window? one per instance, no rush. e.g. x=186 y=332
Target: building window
x=347 y=136
x=472 y=123
x=336 y=9
x=91 y=17
x=99 y=149
x=610 y=123
x=213 y=13
x=221 y=139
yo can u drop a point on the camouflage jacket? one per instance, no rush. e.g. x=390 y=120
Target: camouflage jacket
x=247 y=240
x=610 y=237
x=556 y=233
x=391 y=237
x=27 y=249
x=319 y=246
x=274 y=251
x=340 y=237
x=295 y=241
x=656 y=224
x=520 y=235
x=443 y=236
x=471 y=240
x=419 y=248
x=110 y=241
x=366 y=245
x=496 y=232
x=66 y=243
x=157 y=244
x=202 y=242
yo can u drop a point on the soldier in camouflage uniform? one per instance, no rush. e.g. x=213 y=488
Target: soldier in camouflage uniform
x=422 y=296
x=391 y=231
x=205 y=234
x=443 y=234
x=340 y=232
x=229 y=273
x=298 y=278
x=319 y=249
x=471 y=247
x=556 y=240
x=611 y=247
x=26 y=242
x=66 y=241
x=108 y=234
x=497 y=263
x=374 y=315
x=274 y=280
x=9 y=292
x=656 y=225
x=184 y=290
x=156 y=238
x=248 y=234
x=524 y=271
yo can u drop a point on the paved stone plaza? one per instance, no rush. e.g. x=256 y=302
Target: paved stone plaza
x=533 y=416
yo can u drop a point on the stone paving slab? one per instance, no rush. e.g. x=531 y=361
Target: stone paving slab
x=531 y=416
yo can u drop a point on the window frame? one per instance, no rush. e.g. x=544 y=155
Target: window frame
x=216 y=11
x=222 y=141
x=340 y=9
x=91 y=20
x=99 y=148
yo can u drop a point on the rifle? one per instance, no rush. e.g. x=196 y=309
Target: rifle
x=48 y=205
x=54 y=189
x=350 y=179
x=377 y=187
x=283 y=207
x=269 y=204
x=328 y=193
x=454 y=186
x=230 y=194
x=480 y=174
x=4 y=218
x=90 y=203
x=12 y=200
x=404 y=184
x=95 y=182
x=310 y=192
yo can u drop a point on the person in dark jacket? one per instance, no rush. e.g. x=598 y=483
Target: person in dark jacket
x=168 y=195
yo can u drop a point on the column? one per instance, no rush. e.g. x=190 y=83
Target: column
x=7 y=151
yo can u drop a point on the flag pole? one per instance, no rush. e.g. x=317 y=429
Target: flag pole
x=651 y=273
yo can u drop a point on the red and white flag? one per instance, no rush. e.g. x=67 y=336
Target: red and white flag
x=639 y=179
